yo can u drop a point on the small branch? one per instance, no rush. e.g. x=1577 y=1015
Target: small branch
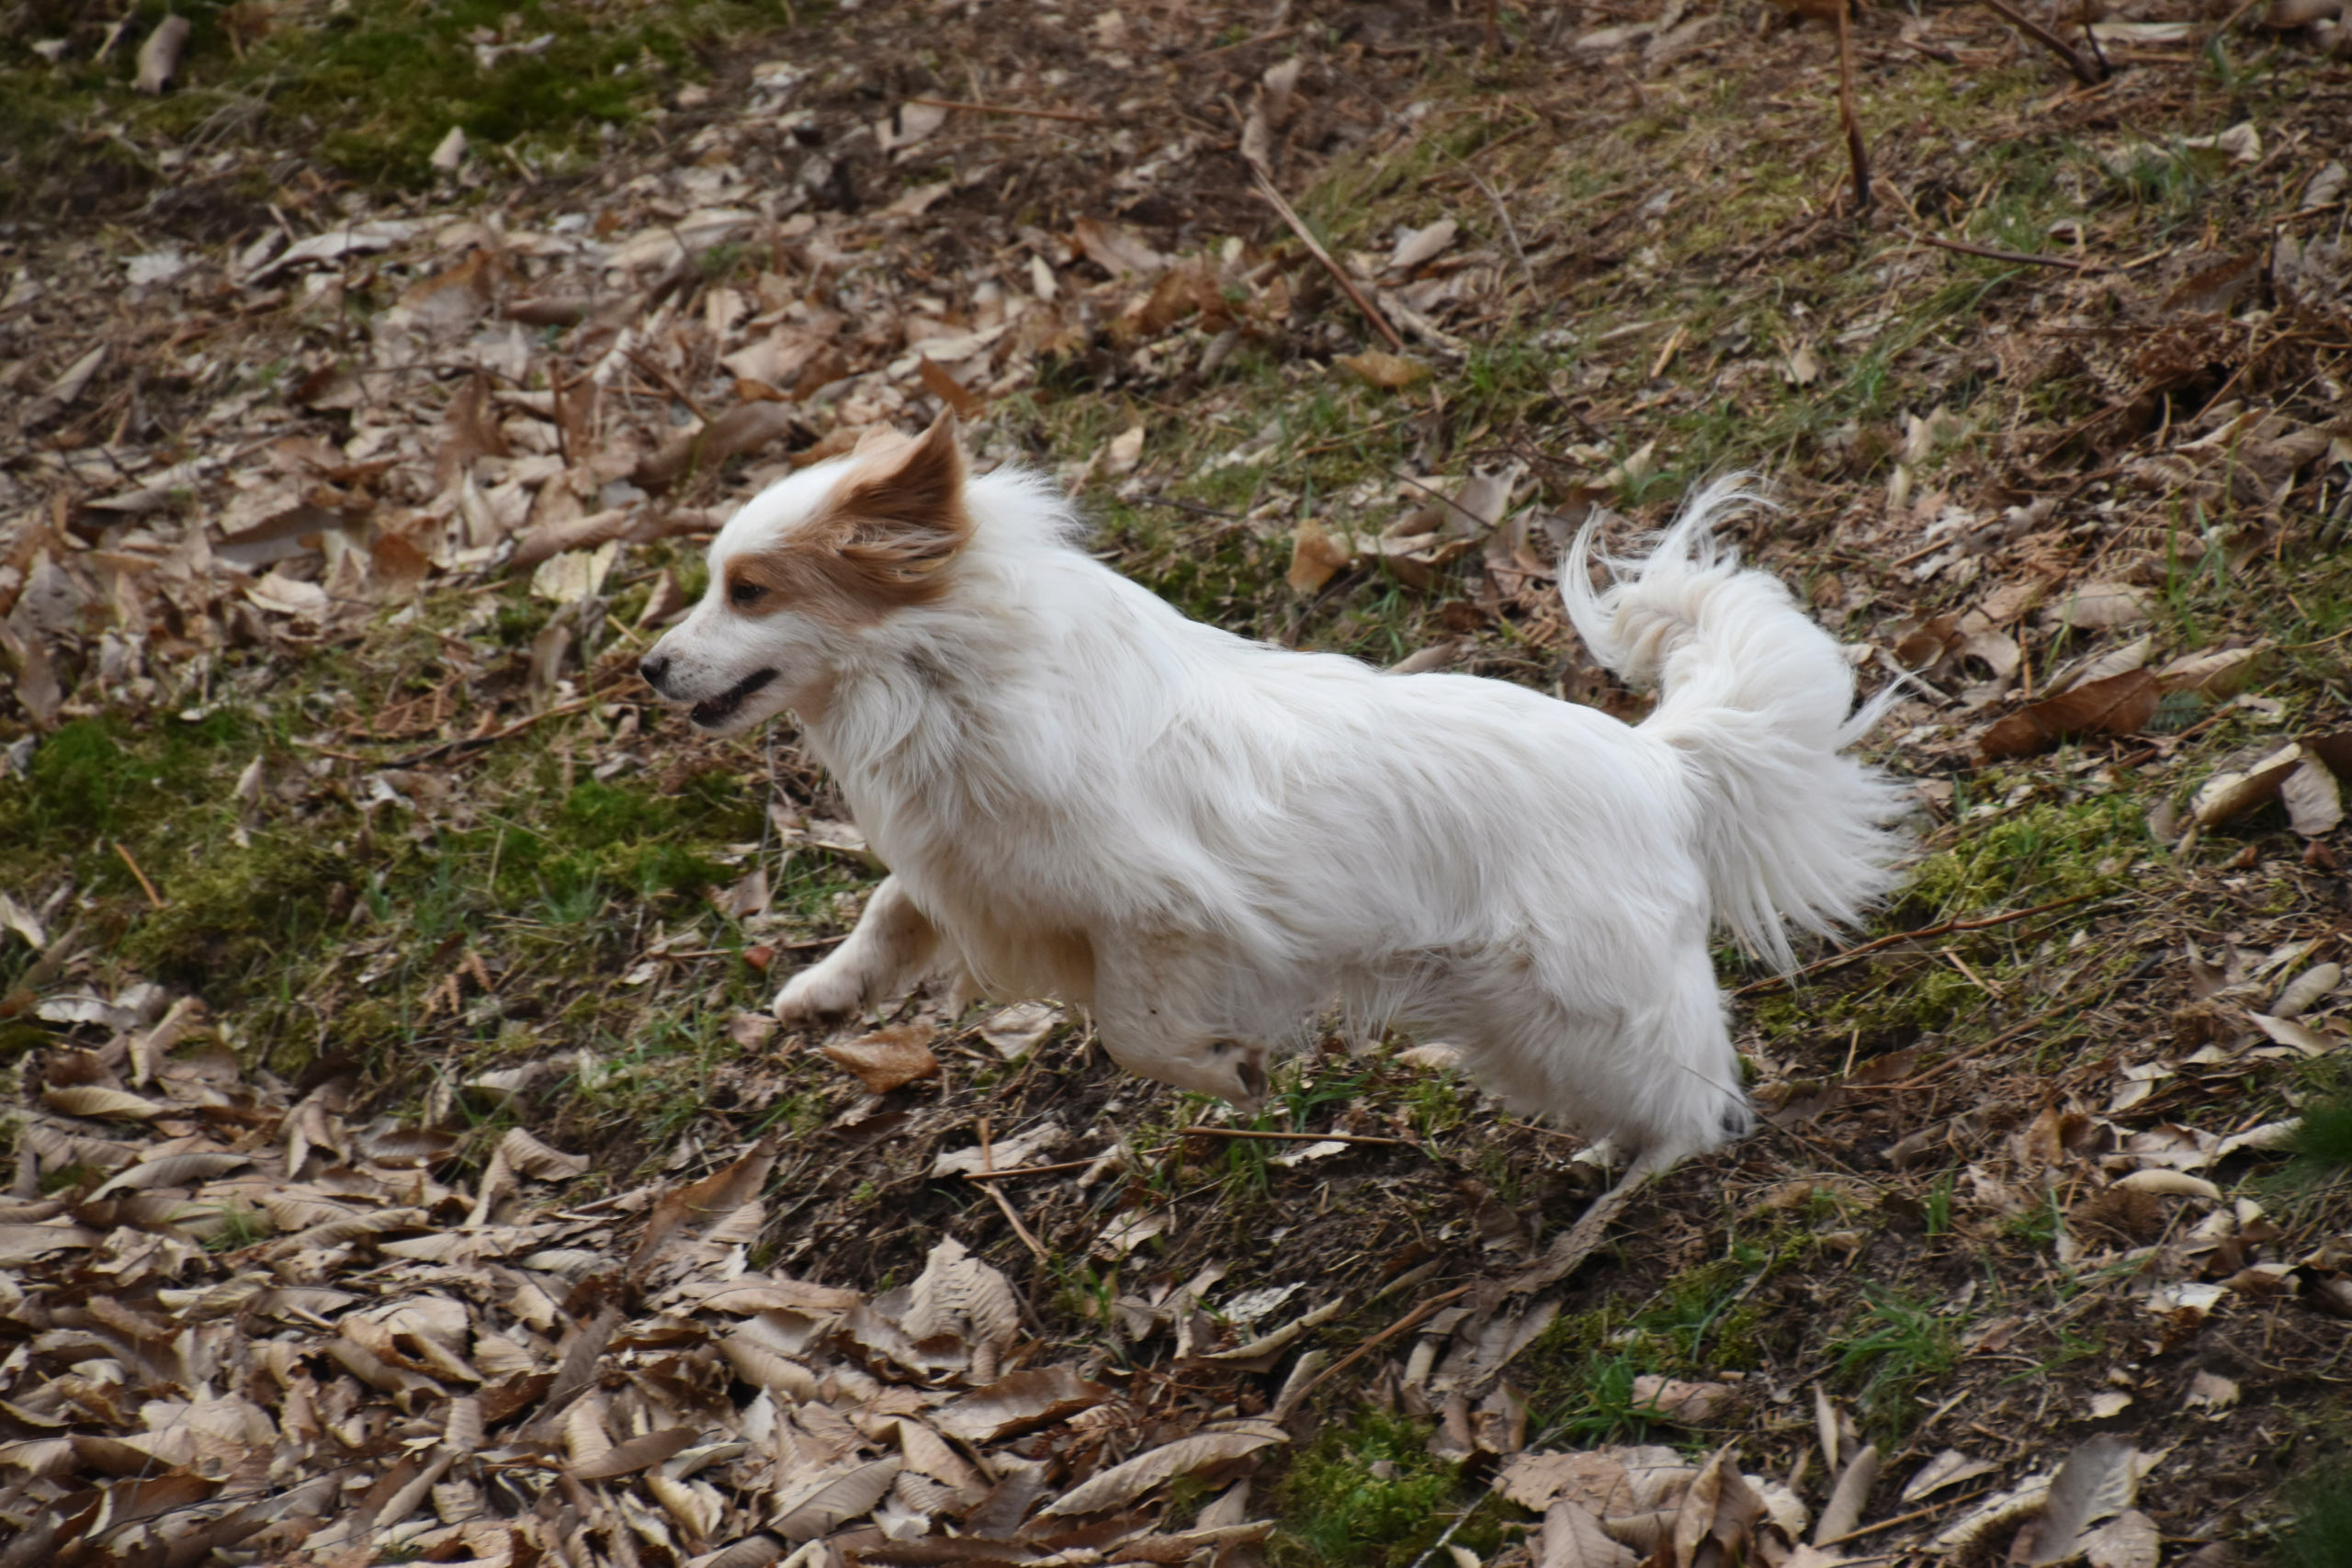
x=1315 y=248
x=1067 y=115
x=1964 y=248
x=988 y=1185
x=1411 y=1319
x=2083 y=71
x=153 y=899
x=1912 y=1516
x=1857 y=152
x=1288 y=1137
x=1945 y=929
x=1030 y=1169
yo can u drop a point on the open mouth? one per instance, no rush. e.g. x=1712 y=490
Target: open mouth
x=718 y=710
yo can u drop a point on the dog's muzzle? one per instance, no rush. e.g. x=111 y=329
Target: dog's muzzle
x=713 y=712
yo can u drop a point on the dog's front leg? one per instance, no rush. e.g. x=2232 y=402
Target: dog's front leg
x=892 y=948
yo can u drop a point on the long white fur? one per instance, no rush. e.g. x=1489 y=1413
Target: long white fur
x=1208 y=840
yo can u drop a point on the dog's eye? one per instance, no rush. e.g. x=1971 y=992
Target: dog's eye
x=746 y=592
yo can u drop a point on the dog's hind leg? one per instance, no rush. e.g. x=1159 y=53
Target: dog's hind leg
x=1148 y=1014
x=894 y=946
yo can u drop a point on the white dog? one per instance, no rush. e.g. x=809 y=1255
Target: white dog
x=1206 y=840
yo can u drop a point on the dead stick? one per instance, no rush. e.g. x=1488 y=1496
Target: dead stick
x=1899 y=1519
x=1288 y=1138
x=153 y=899
x=1964 y=248
x=2083 y=71
x=1945 y=929
x=1028 y=1169
x=1409 y=1320
x=1314 y=248
x=1073 y=118
x=988 y=1185
x=1855 y=151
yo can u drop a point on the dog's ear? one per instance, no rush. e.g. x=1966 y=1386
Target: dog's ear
x=906 y=514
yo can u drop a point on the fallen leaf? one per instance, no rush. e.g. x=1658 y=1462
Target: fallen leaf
x=2219 y=674
x=1949 y=1468
x=2128 y=1541
x=2314 y=801
x=1122 y=1483
x=887 y=1058
x=1017 y=1403
x=1380 y=369
x=1016 y=1030
x=1418 y=247
x=159 y=57
x=1573 y=1539
x=2210 y=1392
x=1316 y=557
x=1689 y=1403
x=2118 y=704
x=2228 y=795
x=1124 y=451
x=2097 y=606
x=2098 y=1480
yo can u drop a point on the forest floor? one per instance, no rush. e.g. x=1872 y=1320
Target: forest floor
x=406 y=1165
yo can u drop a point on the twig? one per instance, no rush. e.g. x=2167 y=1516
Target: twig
x=2084 y=71
x=1443 y=500
x=1029 y=1169
x=1944 y=928
x=1409 y=1320
x=1964 y=248
x=1194 y=507
x=1073 y=117
x=1288 y=1137
x=1862 y=1530
x=1857 y=152
x=988 y=1185
x=1315 y=248
x=154 y=900
x=669 y=384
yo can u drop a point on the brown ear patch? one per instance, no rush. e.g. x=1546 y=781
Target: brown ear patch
x=881 y=543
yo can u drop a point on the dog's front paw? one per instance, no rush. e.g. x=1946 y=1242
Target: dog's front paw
x=822 y=991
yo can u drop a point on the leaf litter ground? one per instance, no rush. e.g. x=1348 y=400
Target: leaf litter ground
x=405 y=1164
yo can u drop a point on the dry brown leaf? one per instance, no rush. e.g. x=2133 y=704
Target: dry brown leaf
x=532 y=1158
x=1316 y=557
x=819 y=1507
x=2097 y=606
x=1122 y=1483
x=2313 y=799
x=2221 y=673
x=638 y=1453
x=2118 y=704
x=1949 y=1468
x=1574 y=1539
x=714 y=1197
x=1380 y=369
x=1690 y=1404
x=101 y=1103
x=1017 y=1403
x=2229 y=796
x=2100 y=1478
x=22 y=1244
x=887 y=1058
x=740 y=431
x=159 y=57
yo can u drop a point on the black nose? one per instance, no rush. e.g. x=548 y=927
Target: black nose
x=654 y=667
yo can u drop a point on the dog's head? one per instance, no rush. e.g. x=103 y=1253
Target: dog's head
x=808 y=567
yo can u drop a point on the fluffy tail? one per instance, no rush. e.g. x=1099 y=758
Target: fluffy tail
x=1755 y=698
